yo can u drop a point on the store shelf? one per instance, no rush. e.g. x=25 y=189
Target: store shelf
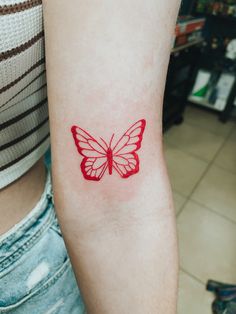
x=217 y=16
x=224 y=17
x=188 y=45
x=178 y=84
x=203 y=102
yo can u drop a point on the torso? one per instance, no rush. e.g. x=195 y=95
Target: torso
x=20 y=197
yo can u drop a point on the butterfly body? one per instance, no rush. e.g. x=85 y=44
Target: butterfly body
x=109 y=160
x=99 y=156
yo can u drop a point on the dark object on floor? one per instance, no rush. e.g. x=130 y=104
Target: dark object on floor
x=225 y=297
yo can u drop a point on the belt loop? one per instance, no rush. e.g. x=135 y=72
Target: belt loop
x=49 y=190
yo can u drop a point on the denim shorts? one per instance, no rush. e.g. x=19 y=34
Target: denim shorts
x=36 y=275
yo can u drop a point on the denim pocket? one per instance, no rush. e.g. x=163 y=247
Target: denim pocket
x=36 y=271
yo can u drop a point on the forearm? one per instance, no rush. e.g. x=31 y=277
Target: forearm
x=106 y=68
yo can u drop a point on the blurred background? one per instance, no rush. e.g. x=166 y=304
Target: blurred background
x=200 y=148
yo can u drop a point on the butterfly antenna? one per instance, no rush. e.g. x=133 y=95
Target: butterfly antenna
x=111 y=140
x=104 y=142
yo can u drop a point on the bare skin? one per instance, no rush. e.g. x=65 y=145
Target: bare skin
x=106 y=68
x=14 y=207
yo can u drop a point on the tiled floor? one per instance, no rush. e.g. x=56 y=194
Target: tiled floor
x=201 y=158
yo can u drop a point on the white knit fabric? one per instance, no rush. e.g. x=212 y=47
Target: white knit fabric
x=19 y=64
x=29 y=24
x=24 y=124
x=8 y=94
x=35 y=84
x=11 y=174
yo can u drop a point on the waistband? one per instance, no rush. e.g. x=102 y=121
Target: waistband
x=24 y=234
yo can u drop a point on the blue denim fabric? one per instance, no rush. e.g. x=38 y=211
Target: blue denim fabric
x=35 y=271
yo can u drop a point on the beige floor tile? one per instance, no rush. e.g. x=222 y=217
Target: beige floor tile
x=227 y=156
x=194 y=140
x=207 y=244
x=233 y=133
x=179 y=201
x=217 y=190
x=184 y=170
x=207 y=120
x=166 y=145
x=193 y=297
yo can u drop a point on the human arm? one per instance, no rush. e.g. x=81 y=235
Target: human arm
x=106 y=67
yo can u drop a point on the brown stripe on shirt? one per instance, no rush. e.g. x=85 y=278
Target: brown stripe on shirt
x=22 y=137
x=22 y=115
x=20 y=91
x=14 y=51
x=31 y=94
x=18 y=7
x=6 y=87
x=26 y=153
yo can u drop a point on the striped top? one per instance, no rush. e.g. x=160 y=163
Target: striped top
x=24 y=125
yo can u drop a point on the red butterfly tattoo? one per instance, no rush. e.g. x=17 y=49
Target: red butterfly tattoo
x=99 y=156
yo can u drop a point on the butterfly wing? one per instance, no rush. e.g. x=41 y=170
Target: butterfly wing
x=125 y=159
x=94 y=163
x=94 y=168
